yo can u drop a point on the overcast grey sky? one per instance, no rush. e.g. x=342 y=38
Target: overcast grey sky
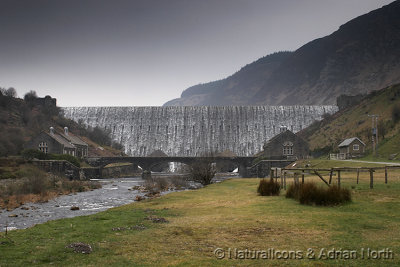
x=146 y=52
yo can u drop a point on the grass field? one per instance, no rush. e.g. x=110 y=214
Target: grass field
x=227 y=215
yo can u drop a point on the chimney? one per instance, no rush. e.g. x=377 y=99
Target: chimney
x=66 y=130
x=282 y=128
x=52 y=130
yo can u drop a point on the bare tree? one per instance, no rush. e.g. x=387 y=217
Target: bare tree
x=203 y=169
x=382 y=129
x=10 y=92
x=31 y=95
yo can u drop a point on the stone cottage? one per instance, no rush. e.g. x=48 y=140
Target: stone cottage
x=351 y=148
x=81 y=146
x=286 y=145
x=54 y=143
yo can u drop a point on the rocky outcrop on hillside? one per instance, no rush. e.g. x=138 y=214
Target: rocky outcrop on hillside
x=361 y=56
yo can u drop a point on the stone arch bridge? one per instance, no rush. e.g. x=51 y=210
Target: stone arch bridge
x=146 y=163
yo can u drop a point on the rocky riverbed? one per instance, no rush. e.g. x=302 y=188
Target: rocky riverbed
x=114 y=193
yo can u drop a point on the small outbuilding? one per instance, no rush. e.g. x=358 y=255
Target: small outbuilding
x=351 y=148
x=286 y=145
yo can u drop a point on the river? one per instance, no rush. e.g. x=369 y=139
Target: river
x=114 y=193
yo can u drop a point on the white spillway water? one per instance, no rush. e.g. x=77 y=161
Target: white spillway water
x=193 y=131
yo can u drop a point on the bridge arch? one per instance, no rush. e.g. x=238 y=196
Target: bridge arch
x=147 y=162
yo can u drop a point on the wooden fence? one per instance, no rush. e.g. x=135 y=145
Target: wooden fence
x=283 y=173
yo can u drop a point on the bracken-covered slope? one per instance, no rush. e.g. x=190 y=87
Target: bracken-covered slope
x=20 y=121
x=363 y=55
x=355 y=121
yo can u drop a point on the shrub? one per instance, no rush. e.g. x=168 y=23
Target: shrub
x=100 y=136
x=293 y=191
x=396 y=113
x=151 y=185
x=31 y=153
x=73 y=160
x=34 y=181
x=268 y=188
x=202 y=171
x=178 y=182
x=163 y=183
x=37 y=182
x=311 y=194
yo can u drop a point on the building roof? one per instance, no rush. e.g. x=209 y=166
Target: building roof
x=348 y=141
x=74 y=139
x=60 y=140
x=277 y=136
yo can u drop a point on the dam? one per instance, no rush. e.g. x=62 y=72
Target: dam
x=196 y=130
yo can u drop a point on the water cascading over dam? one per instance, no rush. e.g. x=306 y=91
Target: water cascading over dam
x=194 y=131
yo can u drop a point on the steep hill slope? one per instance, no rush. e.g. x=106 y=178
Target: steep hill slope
x=20 y=120
x=354 y=121
x=363 y=55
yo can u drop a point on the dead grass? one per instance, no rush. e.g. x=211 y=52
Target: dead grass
x=224 y=215
x=35 y=185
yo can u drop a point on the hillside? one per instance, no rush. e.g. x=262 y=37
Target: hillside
x=324 y=136
x=361 y=56
x=22 y=119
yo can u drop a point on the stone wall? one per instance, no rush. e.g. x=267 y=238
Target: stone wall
x=262 y=168
x=59 y=167
x=120 y=171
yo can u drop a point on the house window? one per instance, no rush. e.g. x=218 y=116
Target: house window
x=43 y=147
x=356 y=147
x=287 y=148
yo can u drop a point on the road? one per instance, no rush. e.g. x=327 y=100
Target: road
x=376 y=162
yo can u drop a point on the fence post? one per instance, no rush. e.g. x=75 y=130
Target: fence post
x=358 y=175
x=371 y=178
x=302 y=176
x=271 y=176
x=386 y=175
x=330 y=176
x=284 y=179
x=296 y=178
x=338 y=178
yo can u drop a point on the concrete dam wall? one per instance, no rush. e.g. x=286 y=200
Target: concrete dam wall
x=193 y=131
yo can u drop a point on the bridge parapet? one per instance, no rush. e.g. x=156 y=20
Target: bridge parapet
x=146 y=163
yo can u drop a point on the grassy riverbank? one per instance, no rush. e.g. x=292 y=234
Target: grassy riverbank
x=225 y=215
x=22 y=182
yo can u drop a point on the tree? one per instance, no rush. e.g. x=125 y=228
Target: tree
x=203 y=169
x=100 y=136
x=6 y=96
x=382 y=129
x=396 y=113
x=10 y=92
x=31 y=95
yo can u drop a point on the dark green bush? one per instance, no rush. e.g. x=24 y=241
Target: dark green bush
x=69 y=158
x=311 y=194
x=396 y=113
x=31 y=153
x=268 y=188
